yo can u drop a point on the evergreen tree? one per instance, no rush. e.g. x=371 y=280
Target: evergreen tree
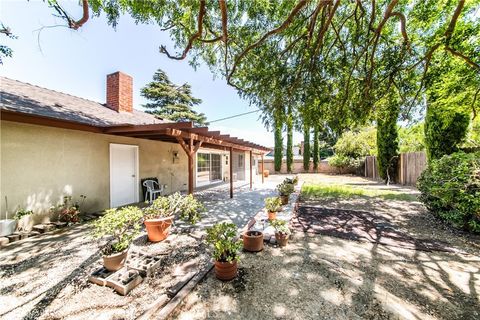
x=316 y=150
x=387 y=139
x=172 y=102
x=306 y=147
x=289 y=140
x=278 y=138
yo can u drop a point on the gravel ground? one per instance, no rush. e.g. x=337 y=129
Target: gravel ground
x=323 y=277
x=46 y=277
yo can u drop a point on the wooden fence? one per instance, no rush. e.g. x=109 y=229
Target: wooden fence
x=410 y=166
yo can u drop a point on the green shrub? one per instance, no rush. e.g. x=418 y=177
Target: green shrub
x=341 y=161
x=285 y=188
x=357 y=144
x=450 y=188
x=273 y=204
x=223 y=238
x=121 y=226
x=387 y=142
x=280 y=226
x=186 y=207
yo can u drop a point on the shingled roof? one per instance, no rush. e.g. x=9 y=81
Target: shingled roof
x=29 y=99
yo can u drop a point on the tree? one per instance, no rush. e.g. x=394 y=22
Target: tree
x=306 y=147
x=172 y=102
x=387 y=140
x=277 y=127
x=316 y=151
x=4 y=50
x=289 y=139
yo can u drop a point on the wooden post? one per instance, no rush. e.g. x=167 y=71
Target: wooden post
x=190 y=150
x=263 y=177
x=231 y=172
x=251 y=166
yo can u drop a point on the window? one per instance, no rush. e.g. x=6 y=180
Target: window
x=241 y=160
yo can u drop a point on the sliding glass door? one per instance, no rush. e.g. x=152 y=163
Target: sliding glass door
x=209 y=168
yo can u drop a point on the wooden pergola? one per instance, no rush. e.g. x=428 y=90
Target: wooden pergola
x=191 y=138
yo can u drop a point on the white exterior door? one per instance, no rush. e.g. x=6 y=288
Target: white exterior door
x=123 y=174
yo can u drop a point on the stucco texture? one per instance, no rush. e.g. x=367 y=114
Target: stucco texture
x=40 y=165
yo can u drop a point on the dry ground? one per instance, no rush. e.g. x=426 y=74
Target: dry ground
x=322 y=277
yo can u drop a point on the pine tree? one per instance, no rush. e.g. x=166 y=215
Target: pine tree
x=172 y=102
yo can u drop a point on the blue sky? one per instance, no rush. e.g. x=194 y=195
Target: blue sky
x=76 y=62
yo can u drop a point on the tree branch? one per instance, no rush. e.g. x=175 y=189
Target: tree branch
x=464 y=57
x=201 y=14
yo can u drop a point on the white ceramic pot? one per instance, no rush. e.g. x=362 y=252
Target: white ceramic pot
x=7 y=227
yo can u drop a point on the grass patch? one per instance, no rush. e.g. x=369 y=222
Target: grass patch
x=312 y=191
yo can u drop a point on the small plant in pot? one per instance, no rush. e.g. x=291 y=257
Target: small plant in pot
x=282 y=232
x=273 y=205
x=158 y=217
x=69 y=210
x=226 y=247
x=285 y=189
x=293 y=180
x=119 y=227
x=23 y=217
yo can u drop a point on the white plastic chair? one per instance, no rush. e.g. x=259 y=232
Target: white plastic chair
x=153 y=189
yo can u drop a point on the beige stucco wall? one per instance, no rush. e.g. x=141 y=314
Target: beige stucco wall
x=39 y=165
x=297 y=167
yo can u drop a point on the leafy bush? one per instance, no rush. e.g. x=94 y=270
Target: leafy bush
x=69 y=210
x=445 y=130
x=186 y=207
x=280 y=226
x=450 y=188
x=285 y=188
x=352 y=146
x=22 y=213
x=341 y=161
x=120 y=226
x=223 y=238
x=411 y=139
x=273 y=204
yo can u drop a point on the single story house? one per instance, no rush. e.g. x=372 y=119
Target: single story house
x=54 y=144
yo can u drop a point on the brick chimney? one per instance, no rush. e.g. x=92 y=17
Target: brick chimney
x=120 y=92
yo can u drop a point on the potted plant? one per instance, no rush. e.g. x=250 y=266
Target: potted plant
x=23 y=219
x=273 y=205
x=282 y=232
x=253 y=241
x=226 y=247
x=293 y=180
x=285 y=189
x=158 y=217
x=120 y=226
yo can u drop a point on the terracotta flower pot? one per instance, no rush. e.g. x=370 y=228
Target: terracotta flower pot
x=284 y=199
x=266 y=173
x=253 y=241
x=115 y=261
x=158 y=229
x=225 y=270
x=281 y=238
x=272 y=215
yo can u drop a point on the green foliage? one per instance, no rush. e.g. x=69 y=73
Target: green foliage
x=170 y=101
x=5 y=51
x=445 y=130
x=411 y=139
x=293 y=181
x=285 y=188
x=306 y=147
x=289 y=140
x=387 y=141
x=341 y=161
x=273 y=204
x=69 y=210
x=280 y=226
x=473 y=136
x=224 y=240
x=352 y=147
x=278 y=125
x=316 y=151
x=120 y=226
x=186 y=207
x=22 y=213
x=450 y=189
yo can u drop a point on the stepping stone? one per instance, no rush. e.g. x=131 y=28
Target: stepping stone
x=4 y=241
x=59 y=224
x=123 y=280
x=42 y=228
x=33 y=233
x=100 y=276
x=143 y=263
x=22 y=235
x=13 y=237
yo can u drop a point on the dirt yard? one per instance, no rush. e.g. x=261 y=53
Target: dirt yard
x=326 y=277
